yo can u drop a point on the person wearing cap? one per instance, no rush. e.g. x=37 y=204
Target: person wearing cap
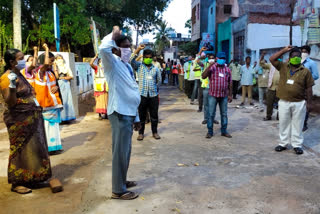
x=295 y=83
x=124 y=99
x=220 y=92
x=313 y=68
x=149 y=82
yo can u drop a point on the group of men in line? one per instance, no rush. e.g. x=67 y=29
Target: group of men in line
x=287 y=85
x=205 y=76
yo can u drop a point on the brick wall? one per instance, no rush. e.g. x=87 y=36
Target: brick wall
x=270 y=18
x=264 y=6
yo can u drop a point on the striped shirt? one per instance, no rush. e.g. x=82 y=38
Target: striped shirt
x=220 y=79
x=149 y=78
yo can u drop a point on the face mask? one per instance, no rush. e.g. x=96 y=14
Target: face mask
x=211 y=60
x=21 y=64
x=221 y=61
x=295 y=60
x=304 y=56
x=147 y=61
x=125 y=54
x=190 y=61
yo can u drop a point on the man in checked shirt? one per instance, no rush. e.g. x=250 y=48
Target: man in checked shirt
x=149 y=81
x=220 y=92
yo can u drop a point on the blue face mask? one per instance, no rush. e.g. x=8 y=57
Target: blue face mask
x=190 y=61
x=221 y=61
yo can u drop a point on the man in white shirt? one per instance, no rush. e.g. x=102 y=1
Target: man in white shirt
x=124 y=99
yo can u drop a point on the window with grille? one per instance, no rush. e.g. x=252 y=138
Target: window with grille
x=227 y=9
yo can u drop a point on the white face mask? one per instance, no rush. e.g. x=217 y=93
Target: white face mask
x=21 y=64
x=211 y=60
x=126 y=54
x=304 y=56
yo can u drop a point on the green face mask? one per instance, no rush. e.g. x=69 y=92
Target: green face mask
x=147 y=61
x=295 y=60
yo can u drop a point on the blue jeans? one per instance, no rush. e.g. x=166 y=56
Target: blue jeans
x=206 y=103
x=195 y=90
x=122 y=130
x=223 y=106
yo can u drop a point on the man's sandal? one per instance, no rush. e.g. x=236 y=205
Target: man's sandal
x=21 y=190
x=125 y=196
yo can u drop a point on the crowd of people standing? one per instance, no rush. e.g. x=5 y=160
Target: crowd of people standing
x=38 y=98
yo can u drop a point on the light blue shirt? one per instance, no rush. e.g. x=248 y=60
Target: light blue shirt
x=124 y=96
x=247 y=75
x=312 y=66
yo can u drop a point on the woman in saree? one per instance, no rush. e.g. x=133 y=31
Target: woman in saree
x=100 y=88
x=29 y=161
x=49 y=98
x=65 y=76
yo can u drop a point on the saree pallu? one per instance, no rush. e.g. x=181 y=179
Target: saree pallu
x=52 y=119
x=101 y=102
x=28 y=160
x=67 y=113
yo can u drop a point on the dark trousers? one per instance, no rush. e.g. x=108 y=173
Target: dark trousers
x=190 y=88
x=200 y=98
x=163 y=76
x=271 y=99
x=235 y=85
x=150 y=104
x=175 y=80
x=306 y=120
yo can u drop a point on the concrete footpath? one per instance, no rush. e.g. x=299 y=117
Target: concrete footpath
x=183 y=172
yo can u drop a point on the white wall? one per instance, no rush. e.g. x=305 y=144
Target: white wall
x=168 y=55
x=84 y=77
x=266 y=36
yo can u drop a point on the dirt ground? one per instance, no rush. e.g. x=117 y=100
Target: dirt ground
x=183 y=172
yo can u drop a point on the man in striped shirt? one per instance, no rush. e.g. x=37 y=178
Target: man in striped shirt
x=220 y=92
x=149 y=82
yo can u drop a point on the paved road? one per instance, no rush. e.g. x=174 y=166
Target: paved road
x=238 y=175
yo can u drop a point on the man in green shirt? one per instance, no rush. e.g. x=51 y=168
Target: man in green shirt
x=235 y=68
x=295 y=83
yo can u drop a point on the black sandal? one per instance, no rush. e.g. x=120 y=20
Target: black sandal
x=125 y=196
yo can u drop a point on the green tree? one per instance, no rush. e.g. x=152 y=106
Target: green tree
x=37 y=19
x=190 y=48
x=188 y=25
x=162 y=36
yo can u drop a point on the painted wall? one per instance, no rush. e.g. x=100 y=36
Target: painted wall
x=212 y=18
x=70 y=60
x=315 y=55
x=204 y=11
x=196 y=33
x=263 y=36
x=225 y=33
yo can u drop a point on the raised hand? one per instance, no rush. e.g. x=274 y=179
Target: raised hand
x=45 y=46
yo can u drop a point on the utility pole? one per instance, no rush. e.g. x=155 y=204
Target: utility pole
x=17 y=40
x=292 y=3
